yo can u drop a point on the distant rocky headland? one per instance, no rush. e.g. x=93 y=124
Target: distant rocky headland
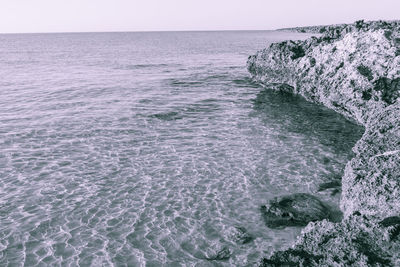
x=345 y=28
x=353 y=69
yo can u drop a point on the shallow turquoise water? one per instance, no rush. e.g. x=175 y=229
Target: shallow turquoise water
x=149 y=148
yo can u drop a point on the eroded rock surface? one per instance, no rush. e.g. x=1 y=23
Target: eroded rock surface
x=354 y=70
x=353 y=75
x=371 y=182
x=356 y=241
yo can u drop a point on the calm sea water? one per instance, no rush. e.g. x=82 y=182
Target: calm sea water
x=150 y=149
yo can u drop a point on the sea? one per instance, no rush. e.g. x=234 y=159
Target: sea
x=152 y=149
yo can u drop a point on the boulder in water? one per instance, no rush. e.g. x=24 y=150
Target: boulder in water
x=294 y=210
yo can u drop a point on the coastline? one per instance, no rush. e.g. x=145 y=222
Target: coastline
x=354 y=70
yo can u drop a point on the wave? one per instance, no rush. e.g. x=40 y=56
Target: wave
x=208 y=80
x=175 y=82
x=245 y=82
x=146 y=66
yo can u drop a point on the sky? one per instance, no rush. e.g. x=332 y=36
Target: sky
x=26 y=16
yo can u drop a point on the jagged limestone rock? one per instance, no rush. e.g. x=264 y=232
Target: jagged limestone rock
x=354 y=70
x=352 y=75
x=371 y=182
x=356 y=241
x=358 y=76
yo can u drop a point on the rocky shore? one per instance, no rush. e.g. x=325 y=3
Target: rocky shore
x=355 y=70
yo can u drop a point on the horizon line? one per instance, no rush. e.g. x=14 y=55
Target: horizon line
x=138 y=31
x=193 y=30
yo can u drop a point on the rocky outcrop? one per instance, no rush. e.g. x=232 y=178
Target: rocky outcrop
x=356 y=241
x=353 y=75
x=371 y=182
x=354 y=70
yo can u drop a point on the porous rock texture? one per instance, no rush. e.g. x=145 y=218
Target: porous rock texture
x=354 y=70
x=356 y=241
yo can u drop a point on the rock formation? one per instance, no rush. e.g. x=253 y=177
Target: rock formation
x=354 y=70
x=340 y=29
x=356 y=241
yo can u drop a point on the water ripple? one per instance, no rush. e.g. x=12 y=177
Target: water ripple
x=108 y=160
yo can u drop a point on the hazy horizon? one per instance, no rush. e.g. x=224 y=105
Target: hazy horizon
x=47 y=16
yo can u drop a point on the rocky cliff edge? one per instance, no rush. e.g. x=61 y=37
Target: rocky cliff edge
x=354 y=70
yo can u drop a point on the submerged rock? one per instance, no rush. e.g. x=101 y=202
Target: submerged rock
x=294 y=210
x=224 y=254
x=238 y=235
x=335 y=186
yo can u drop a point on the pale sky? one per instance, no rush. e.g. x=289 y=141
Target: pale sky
x=162 y=15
